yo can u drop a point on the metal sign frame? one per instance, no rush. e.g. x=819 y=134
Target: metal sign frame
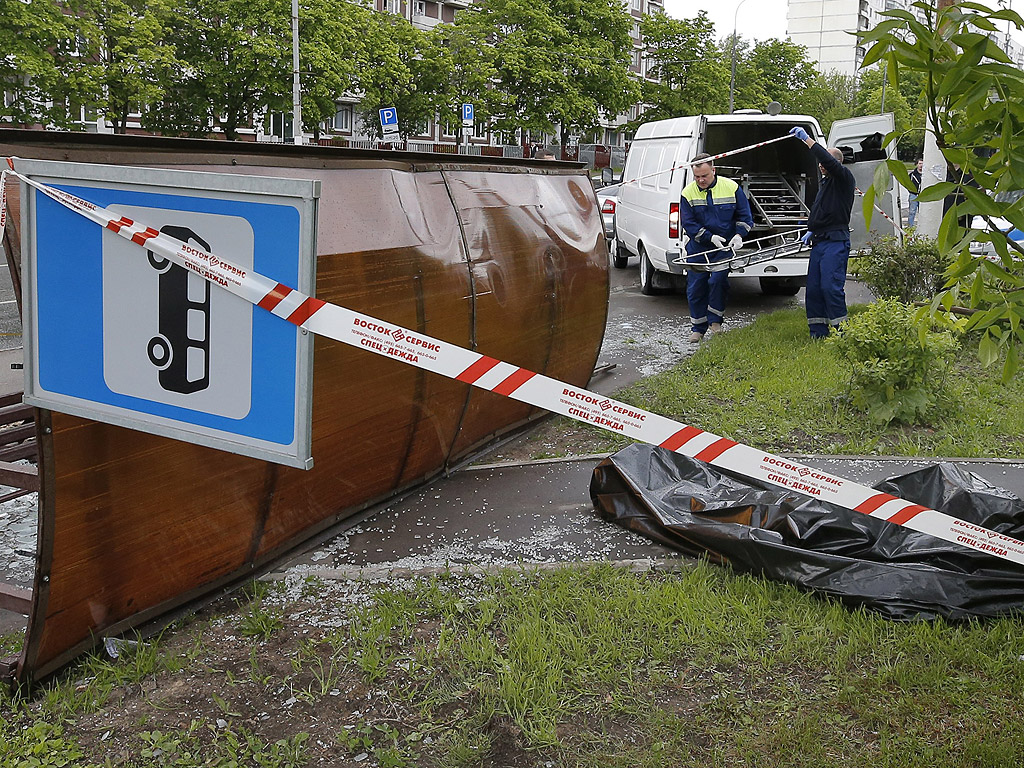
x=87 y=291
x=389 y=123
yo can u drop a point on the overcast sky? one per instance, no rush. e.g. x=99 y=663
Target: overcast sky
x=756 y=20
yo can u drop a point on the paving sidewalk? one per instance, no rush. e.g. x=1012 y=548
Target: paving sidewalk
x=537 y=512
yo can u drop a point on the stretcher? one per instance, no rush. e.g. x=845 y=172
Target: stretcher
x=753 y=251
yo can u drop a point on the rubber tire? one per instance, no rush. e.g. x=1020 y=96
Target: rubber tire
x=647 y=272
x=778 y=286
x=620 y=256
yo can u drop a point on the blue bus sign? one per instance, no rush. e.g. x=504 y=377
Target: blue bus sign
x=116 y=333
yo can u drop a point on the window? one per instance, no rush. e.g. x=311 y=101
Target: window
x=419 y=8
x=480 y=129
x=649 y=167
x=278 y=125
x=636 y=58
x=425 y=129
x=638 y=5
x=343 y=118
x=392 y=6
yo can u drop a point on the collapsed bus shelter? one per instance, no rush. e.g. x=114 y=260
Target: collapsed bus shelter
x=506 y=256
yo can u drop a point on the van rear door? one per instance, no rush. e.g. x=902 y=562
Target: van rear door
x=860 y=138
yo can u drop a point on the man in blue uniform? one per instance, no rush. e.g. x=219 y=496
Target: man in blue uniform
x=715 y=214
x=828 y=231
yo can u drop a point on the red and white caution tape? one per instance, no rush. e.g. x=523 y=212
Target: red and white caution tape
x=688 y=163
x=3 y=202
x=455 y=362
x=895 y=226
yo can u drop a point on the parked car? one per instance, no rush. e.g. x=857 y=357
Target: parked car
x=984 y=247
x=608 y=198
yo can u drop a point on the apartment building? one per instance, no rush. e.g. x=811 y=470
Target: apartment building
x=827 y=29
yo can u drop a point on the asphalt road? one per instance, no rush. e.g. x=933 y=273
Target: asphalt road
x=647 y=334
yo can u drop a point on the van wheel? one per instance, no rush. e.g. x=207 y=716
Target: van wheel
x=620 y=256
x=781 y=286
x=648 y=275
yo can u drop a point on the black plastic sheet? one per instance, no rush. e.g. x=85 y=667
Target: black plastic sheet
x=757 y=528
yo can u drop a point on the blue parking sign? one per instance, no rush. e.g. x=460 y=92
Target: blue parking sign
x=389 y=123
x=467 y=115
x=388 y=117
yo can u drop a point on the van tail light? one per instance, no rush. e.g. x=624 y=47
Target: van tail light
x=673 y=220
x=608 y=206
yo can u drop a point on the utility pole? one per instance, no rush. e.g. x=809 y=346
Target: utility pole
x=296 y=90
x=929 y=215
x=732 y=78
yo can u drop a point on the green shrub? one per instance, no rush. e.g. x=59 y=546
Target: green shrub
x=909 y=272
x=899 y=370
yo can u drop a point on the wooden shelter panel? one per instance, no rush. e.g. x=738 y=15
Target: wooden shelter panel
x=504 y=257
x=539 y=271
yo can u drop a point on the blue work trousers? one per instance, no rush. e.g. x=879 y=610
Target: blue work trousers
x=707 y=294
x=826 y=285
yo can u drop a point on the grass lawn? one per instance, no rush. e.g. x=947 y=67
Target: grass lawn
x=770 y=386
x=579 y=666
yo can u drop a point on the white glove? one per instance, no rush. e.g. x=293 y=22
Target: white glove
x=736 y=243
x=718 y=241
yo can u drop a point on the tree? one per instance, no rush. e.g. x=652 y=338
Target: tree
x=974 y=98
x=32 y=37
x=783 y=71
x=395 y=59
x=468 y=76
x=333 y=40
x=558 y=64
x=831 y=96
x=692 y=73
x=236 y=65
x=748 y=89
x=123 y=58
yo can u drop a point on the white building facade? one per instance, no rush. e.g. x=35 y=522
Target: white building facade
x=827 y=29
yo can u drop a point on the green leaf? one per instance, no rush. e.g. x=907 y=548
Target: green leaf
x=1011 y=365
x=936 y=191
x=947 y=229
x=982 y=203
x=988 y=350
x=899 y=170
x=868 y=204
x=876 y=52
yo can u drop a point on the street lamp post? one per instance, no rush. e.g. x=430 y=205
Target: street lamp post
x=732 y=79
x=296 y=87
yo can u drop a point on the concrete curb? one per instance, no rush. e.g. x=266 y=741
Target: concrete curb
x=387 y=573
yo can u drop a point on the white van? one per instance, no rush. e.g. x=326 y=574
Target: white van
x=779 y=179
